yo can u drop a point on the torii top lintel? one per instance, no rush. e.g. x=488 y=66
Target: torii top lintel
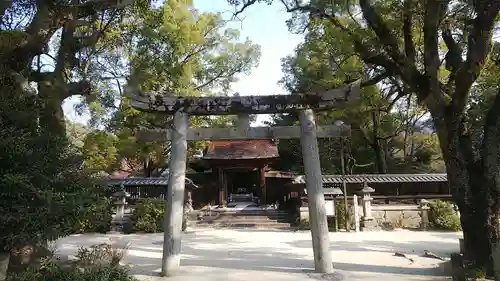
x=336 y=98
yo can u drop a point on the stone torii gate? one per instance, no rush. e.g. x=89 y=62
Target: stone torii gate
x=182 y=107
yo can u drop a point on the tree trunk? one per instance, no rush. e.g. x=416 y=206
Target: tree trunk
x=380 y=157
x=466 y=177
x=491 y=179
x=377 y=145
x=51 y=92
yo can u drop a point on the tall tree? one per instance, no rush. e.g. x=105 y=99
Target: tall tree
x=324 y=61
x=175 y=50
x=38 y=172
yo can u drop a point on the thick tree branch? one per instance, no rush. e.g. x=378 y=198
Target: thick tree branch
x=4 y=5
x=375 y=79
x=377 y=24
x=90 y=7
x=244 y=7
x=400 y=64
x=408 y=31
x=432 y=17
x=67 y=51
x=38 y=76
x=47 y=20
x=453 y=56
x=401 y=94
x=82 y=88
x=478 y=48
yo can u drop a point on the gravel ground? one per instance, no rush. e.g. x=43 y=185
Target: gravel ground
x=247 y=254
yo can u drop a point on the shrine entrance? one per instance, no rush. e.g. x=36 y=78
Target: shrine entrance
x=241 y=164
x=242 y=182
x=179 y=134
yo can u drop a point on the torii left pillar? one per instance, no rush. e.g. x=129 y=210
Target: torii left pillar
x=175 y=196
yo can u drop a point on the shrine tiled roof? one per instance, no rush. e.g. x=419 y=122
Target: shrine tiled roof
x=241 y=149
x=159 y=181
x=378 y=178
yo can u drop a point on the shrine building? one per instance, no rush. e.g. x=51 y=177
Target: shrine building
x=238 y=169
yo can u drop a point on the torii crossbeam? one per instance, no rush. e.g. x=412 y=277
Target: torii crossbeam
x=249 y=133
x=182 y=107
x=169 y=104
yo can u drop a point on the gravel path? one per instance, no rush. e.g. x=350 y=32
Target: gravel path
x=240 y=255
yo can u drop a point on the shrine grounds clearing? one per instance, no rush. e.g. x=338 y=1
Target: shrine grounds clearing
x=272 y=255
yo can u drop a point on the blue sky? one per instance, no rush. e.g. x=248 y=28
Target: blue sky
x=264 y=25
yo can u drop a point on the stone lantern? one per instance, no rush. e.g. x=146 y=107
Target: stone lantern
x=367 y=222
x=120 y=204
x=424 y=214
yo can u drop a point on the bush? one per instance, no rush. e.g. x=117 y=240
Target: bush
x=148 y=216
x=303 y=224
x=101 y=255
x=54 y=272
x=443 y=216
x=340 y=213
x=97 y=263
x=96 y=216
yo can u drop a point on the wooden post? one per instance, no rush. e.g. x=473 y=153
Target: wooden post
x=225 y=195
x=344 y=187
x=220 y=173
x=262 y=177
x=175 y=196
x=316 y=198
x=355 y=204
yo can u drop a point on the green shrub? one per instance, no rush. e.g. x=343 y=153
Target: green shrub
x=443 y=216
x=97 y=263
x=95 y=216
x=303 y=224
x=340 y=213
x=54 y=272
x=148 y=216
x=101 y=255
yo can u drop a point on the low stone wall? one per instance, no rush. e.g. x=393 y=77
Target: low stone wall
x=385 y=216
x=397 y=216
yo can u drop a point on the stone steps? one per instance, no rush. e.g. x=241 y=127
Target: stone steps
x=256 y=218
x=245 y=221
x=244 y=225
x=249 y=217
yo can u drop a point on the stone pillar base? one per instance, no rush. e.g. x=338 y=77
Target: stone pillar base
x=120 y=225
x=4 y=264
x=116 y=227
x=369 y=224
